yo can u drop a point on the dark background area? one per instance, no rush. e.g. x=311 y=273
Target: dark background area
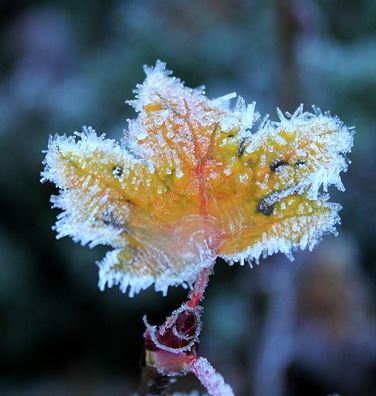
x=280 y=329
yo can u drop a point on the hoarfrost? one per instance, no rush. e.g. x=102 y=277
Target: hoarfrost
x=194 y=179
x=210 y=379
x=170 y=324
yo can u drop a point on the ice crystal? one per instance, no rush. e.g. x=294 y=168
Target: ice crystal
x=210 y=379
x=194 y=179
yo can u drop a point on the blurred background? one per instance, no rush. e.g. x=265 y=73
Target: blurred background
x=306 y=328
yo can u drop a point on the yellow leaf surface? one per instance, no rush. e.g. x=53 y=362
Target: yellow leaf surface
x=196 y=179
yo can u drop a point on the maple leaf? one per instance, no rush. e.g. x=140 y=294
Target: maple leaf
x=194 y=179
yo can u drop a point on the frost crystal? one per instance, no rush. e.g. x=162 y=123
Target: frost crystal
x=210 y=379
x=194 y=179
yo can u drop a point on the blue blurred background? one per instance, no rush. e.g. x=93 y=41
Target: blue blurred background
x=281 y=329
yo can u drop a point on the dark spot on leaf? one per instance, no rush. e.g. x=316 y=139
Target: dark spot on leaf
x=117 y=171
x=242 y=146
x=299 y=162
x=265 y=206
x=278 y=163
x=109 y=219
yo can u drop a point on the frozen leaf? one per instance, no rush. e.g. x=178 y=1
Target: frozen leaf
x=194 y=179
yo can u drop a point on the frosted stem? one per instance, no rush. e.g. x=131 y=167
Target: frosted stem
x=198 y=291
x=210 y=379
